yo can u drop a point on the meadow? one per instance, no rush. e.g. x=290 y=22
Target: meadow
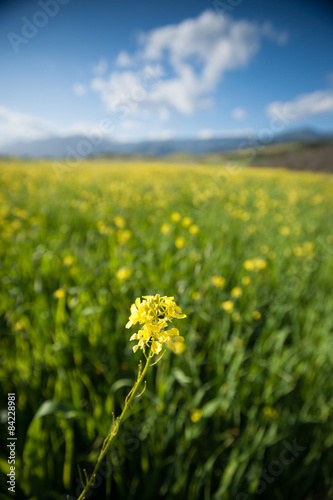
x=243 y=409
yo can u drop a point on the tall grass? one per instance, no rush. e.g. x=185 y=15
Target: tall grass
x=254 y=379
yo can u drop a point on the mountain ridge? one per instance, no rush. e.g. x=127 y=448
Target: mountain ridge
x=84 y=146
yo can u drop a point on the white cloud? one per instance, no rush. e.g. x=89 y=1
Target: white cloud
x=101 y=67
x=220 y=134
x=124 y=60
x=79 y=89
x=303 y=106
x=238 y=113
x=24 y=127
x=197 y=52
x=16 y=126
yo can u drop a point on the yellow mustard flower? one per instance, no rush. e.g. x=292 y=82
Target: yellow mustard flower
x=124 y=273
x=248 y=264
x=218 y=281
x=236 y=292
x=103 y=228
x=60 y=293
x=228 y=306
x=196 y=415
x=175 y=217
x=270 y=412
x=165 y=228
x=298 y=251
x=68 y=260
x=256 y=264
x=187 y=221
x=119 y=221
x=246 y=280
x=284 y=230
x=180 y=347
x=154 y=313
x=123 y=235
x=180 y=242
x=18 y=326
x=256 y=315
x=194 y=229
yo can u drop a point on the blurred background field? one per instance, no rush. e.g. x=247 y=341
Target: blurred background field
x=245 y=410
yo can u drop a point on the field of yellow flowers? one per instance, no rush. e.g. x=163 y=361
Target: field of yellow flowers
x=243 y=410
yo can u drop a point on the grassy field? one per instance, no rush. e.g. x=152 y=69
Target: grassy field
x=245 y=410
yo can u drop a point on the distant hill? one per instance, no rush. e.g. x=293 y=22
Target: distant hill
x=315 y=156
x=84 y=147
x=60 y=147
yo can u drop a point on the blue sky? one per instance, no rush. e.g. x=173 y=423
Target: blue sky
x=140 y=69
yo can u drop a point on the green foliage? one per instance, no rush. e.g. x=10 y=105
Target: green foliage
x=216 y=419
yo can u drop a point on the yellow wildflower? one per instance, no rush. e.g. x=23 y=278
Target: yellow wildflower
x=103 y=228
x=256 y=315
x=246 y=280
x=68 y=260
x=194 y=229
x=228 y=306
x=124 y=273
x=196 y=415
x=180 y=242
x=236 y=292
x=256 y=264
x=187 y=221
x=180 y=347
x=218 y=281
x=18 y=326
x=248 y=264
x=154 y=313
x=196 y=295
x=284 y=230
x=165 y=228
x=175 y=217
x=308 y=246
x=298 y=251
x=123 y=235
x=60 y=293
x=119 y=221
x=270 y=412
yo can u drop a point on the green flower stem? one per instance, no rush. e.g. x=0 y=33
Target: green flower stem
x=115 y=426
